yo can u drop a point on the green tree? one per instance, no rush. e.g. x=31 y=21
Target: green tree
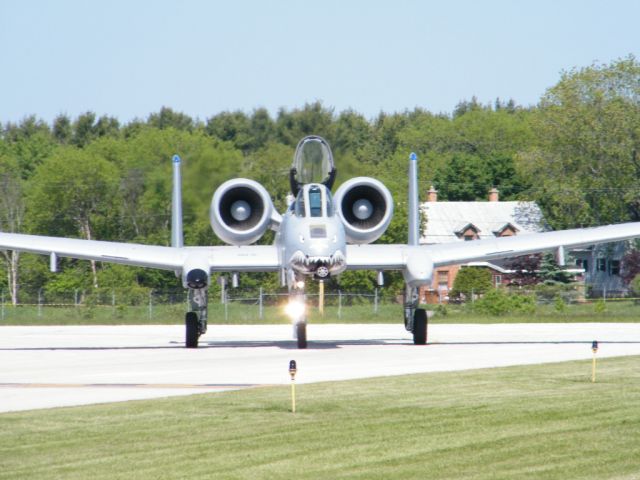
x=234 y=127
x=471 y=281
x=551 y=272
x=464 y=178
x=167 y=118
x=12 y=208
x=312 y=119
x=62 y=130
x=72 y=193
x=587 y=131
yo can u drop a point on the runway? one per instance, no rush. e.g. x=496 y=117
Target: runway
x=45 y=367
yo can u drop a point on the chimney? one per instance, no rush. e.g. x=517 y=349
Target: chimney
x=494 y=195
x=432 y=195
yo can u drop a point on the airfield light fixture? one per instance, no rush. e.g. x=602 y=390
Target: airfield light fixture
x=295 y=310
x=594 y=349
x=293 y=369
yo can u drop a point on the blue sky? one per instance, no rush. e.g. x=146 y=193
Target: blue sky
x=129 y=58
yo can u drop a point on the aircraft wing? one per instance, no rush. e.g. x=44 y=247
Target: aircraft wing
x=508 y=247
x=396 y=257
x=223 y=258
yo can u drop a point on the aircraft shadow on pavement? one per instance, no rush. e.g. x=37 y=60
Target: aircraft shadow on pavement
x=282 y=344
x=292 y=345
x=89 y=349
x=314 y=345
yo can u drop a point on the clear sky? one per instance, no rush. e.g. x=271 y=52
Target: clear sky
x=128 y=58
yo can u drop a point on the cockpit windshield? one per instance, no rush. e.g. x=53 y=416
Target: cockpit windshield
x=313 y=162
x=315 y=202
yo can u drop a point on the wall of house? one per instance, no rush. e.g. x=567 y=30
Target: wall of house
x=443 y=279
x=602 y=272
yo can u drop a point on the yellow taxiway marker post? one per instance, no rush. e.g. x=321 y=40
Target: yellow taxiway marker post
x=594 y=349
x=292 y=371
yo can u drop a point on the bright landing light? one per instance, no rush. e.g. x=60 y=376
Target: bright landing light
x=295 y=310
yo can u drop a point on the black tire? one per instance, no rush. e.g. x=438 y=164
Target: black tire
x=301 y=334
x=420 y=327
x=192 y=330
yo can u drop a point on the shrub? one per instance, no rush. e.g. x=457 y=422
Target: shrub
x=559 y=304
x=635 y=285
x=600 y=306
x=548 y=292
x=498 y=302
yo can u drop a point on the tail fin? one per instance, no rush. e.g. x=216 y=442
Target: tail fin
x=414 y=214
x=177 y=237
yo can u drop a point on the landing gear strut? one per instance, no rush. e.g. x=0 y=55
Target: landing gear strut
x=301 y=333
x=298 y=314
x=196 y=319
x=415 y=319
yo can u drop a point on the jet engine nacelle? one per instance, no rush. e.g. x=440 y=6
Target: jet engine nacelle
x=365 y=207
x=241 y=211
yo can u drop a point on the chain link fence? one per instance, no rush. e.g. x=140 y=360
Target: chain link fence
x=169 y=306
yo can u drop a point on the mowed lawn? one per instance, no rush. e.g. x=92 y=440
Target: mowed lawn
x=546 y=421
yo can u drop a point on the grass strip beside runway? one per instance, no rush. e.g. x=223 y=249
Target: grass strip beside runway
x=546 y=421
x=239 y=314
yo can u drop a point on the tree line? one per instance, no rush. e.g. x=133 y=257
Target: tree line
x=575 y=153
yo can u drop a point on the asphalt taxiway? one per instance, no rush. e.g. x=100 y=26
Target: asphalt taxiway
x=44 y=367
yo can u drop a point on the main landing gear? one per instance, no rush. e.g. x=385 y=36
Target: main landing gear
x=301 y=333
x=196 y=319
x=415 y=319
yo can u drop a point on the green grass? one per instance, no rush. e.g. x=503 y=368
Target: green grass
x=545 y=421
x=238 y=313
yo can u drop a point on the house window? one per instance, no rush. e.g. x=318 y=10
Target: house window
x=443 y=279
x=615 y=267
x=468 y=238
x=583 y=263
x=602 y=264
x=497 y=280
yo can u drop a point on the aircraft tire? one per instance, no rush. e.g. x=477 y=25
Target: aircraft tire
x=301 y=334
x=420 y=327
x=192 y=330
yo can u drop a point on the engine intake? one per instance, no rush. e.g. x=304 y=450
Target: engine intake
x=365 y=206
x=241 y=211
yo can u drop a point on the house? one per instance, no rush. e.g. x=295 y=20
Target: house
x=602 y=265
x=467 y=221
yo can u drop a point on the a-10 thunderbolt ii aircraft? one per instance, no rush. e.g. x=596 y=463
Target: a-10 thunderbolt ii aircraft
x=318 y=236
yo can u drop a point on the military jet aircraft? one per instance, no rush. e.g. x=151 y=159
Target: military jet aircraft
x=318 y=236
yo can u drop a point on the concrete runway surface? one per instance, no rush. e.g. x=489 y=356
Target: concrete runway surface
x=44 y=367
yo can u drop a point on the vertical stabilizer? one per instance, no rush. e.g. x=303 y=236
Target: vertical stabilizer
x=414 y=214
x=177 y=238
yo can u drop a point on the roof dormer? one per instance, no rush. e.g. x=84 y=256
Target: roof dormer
x=507 y=230
x=468 y=232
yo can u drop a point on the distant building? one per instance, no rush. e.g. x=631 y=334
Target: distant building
x=602 y=265
x=465 y=221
